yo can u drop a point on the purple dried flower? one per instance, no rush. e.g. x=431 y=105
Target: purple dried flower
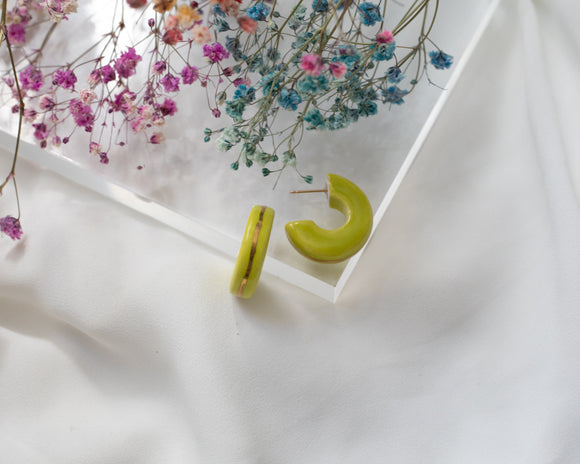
x=170 y=83
x=168 y=107
x=64 y=78
x=215 y=52
x=17 y=34
x=107 y=74
x=159 y=67
x=11 y=226
x=47 y=103
x=189 y=74
x=40 y=131
x=122 y=101
x=82 y=114
x=126 y=64
x=31 y=79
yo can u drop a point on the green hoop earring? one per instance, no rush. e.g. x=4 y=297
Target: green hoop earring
x=252 y=252
x=335 y=245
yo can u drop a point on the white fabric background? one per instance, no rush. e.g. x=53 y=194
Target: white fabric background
x=456 y=340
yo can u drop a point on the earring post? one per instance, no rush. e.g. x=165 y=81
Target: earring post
x=324 y=190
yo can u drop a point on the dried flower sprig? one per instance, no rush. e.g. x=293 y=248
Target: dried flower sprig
x=326 y=64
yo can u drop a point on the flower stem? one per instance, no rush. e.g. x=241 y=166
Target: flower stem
x=4 y=35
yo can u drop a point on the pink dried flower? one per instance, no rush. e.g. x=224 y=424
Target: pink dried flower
x=11 y=226
x=146 y=111
x=59 y=9
x=47 y=103
x=87 y=96
x=138 y=124
x=312 y=64
x=337 y=69
x=16 y=34
x=172 y=36
x=385 y=37
x=171 y=22
x=94 y=148
x=30 y=114
x=157 y=138
x=136 y=3
x=200 y=34
x=247 y=24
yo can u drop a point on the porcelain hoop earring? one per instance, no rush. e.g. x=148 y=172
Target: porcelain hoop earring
x=335 y=245
x=252 y=252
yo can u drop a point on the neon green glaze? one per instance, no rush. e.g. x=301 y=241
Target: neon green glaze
x=332 y=246
x=248 y=268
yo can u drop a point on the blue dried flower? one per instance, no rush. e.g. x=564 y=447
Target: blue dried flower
x=383 y=52
x=235 y=110
x=267 y=82
x=312 y=85
x=289 y=99
x=395 y=75
x=233 y=46
x=338 y=121
x=258 y=12
x=370 y=14
x=314 y=118
x=320 y=6
x=221 y=25
x=394 y=95
x=245 y=93
x=289 y=158
x=440 y=59
x=367 y=108
x=297 y=19
x=348 y=55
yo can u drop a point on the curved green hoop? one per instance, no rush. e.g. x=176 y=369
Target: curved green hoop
x=252 y=252
x=335 y=245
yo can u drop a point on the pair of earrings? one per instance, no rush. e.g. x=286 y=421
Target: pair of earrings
x=309 y=239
